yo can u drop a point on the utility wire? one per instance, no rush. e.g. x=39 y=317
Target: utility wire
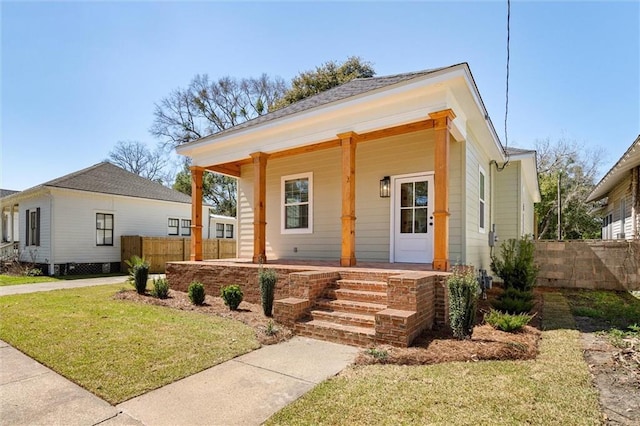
x=506 y=102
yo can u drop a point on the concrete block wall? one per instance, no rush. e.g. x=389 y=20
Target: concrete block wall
x=589 y=264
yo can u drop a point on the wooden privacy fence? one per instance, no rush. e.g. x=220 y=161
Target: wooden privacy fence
x=160 y=250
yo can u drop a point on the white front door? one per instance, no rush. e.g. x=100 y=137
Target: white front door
x=413 y=219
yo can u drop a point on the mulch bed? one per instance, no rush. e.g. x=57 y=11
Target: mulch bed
x=247 y=313
x=433 y=346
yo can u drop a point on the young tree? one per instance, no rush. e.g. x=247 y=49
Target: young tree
x=137 y=158
x=576 y=168
x=325 y=77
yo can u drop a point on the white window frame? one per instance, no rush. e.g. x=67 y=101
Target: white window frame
x=309 y=228
x=482 y=200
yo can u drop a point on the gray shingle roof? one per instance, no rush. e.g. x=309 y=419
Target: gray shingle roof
x=106 y=178
x=6 y=192
x=352 y=88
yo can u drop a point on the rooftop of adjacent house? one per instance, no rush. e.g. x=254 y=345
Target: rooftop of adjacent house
x=349 y=89
x=7 y=192
x=629 y=160
x=107 y=178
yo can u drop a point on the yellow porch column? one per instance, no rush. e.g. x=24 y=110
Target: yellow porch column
x=196 y=213
x=441 y=125
x=348 y=143
x=259 y=207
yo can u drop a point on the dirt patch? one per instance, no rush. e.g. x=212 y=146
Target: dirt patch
x=247 y=313
x=615 y=372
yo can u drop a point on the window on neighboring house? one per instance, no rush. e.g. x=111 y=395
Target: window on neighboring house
x=219 y=230
x=33 y=227
x=229 y=228
x=104 y=229
x=173 y=227
x=607 y=227
x=186 y=227
x=481 y=206
x=297 y=204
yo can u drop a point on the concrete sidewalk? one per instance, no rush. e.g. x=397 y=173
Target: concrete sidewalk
x=56 y=285
x=244 y=391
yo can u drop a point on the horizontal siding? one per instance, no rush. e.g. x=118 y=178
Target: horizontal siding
x=41 y=253
x=75 y=223
x=374 y=159
x=620 y=192
x=506 y=191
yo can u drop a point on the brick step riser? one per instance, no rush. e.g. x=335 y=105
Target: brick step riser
x=331 y=335
x=355 y=297
x=366 y=276
x=349 y=308
x=360 y=286
x=358 y=322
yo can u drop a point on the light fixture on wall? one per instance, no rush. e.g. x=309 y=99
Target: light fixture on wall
x=385 y=187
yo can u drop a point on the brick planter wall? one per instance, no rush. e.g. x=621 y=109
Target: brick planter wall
x=589 y=264
x=216 y=275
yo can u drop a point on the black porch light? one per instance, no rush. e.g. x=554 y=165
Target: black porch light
x=385 y=187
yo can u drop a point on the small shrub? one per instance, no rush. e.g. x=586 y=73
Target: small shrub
x=379 y=354
x=138 y=273
x=271 y=329
x=160 y=288
x=196 y=293
x=516 y=264
x=505 y=321
x=512 y=306
x=463 y=299
x=32 y=272
x=232 y=296
x=514 y=293
x=268 y=280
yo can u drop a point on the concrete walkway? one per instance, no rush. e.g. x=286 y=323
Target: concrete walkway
x=56 y=285
x=244 y=391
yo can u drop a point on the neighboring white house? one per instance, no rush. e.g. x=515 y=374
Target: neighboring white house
x=222 y=226
x=621 y=188
x=74 y=223
x=402 y=168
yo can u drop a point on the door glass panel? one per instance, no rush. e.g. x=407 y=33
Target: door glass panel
x=406 y=194
x=406 y=221
x=422 y=193
x=420 y=221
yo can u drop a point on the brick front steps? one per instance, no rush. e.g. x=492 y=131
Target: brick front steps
x=346 y=312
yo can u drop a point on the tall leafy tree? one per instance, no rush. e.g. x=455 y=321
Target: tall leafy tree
x=325 y=77
x=576 y=168
x=218 y=190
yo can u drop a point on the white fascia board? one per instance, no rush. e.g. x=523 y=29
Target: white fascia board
x=298 y=129
x=530 y=173
x=23 y=195
x=628 y=161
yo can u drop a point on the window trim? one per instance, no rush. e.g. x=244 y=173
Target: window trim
x=169 y=227
x=32 y=232
x=113 y=225
x=218 y=225
x=283 y=205
x=482 y=200
x=186 y=233
x=228 y=226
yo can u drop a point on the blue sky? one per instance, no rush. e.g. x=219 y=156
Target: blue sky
x=79 y=76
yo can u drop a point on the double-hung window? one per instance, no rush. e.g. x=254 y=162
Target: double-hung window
x=219 y=230
x=104 y=229
x=229 y=230
x=297 y=204
x=186 y=227
x=481 y=203
x=33 y=227
x=173 y=226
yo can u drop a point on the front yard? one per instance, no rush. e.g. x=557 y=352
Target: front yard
x=118 y=349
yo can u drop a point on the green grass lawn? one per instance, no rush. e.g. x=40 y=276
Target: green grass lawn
x=553 y=389
x=118 y=349
x=618 y=308
x=20 y=279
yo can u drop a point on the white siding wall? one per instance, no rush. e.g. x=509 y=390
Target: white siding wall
x=374 y=160
x=476 y=241
x=41 y=253
x=621 y=192
x=74 y=218
x=508 y=209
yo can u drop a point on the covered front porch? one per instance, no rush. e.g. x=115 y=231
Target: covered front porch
x=252 y=171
